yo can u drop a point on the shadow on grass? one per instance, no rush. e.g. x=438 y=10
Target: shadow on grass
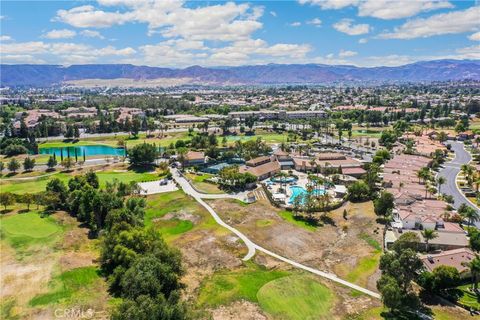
x=5 y=211
x=142 y=168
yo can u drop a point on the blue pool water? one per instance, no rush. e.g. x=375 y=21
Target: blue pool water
x=97 y=150
x=300 y=191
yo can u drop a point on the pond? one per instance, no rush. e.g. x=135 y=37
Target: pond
x=96 y=150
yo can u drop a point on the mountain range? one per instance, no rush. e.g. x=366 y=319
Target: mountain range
x=29 y=75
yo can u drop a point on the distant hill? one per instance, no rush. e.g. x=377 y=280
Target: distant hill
x=51 y=75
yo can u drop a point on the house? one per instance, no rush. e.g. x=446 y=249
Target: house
x=194 y=158
x=262 y=167
x=445 y=240
x=354 y=172
x=258 y=161
x=457 y=258
x=284 y=158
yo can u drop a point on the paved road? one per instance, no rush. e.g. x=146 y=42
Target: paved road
x=252 y=247
x=450 y=172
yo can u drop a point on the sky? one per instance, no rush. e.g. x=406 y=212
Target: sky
x=171 y=33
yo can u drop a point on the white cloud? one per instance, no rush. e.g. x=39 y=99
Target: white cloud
x=224 y=22
x=5 y=38
x=92 y=34
x=383 y=9
x=347 y=53
x=475 y=36
x=315 y=21
x=65 y=52
x=31 y=47
x=295 y=24
x=363 y=41
x=273 y=13
x=347 y=26
x=87 y=16
x=59 y=34
x=331 y=4
x=444 y=23
x=21 y=58
x=394 y=9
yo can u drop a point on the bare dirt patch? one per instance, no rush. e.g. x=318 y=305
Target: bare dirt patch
x=238 y=310
x=204 y=253
x=181 y=215
x=338 y=244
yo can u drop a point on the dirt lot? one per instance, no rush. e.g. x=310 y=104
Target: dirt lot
x=325 y=248
x=28 y=275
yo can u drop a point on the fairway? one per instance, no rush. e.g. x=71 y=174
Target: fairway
x=29 y=225
x=39 y=184
x=68 y=285
x=296 y=297
x=227 y=286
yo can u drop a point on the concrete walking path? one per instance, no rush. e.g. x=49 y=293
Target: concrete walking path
x=251 y=246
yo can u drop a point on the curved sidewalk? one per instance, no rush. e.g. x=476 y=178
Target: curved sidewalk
x=251 y=246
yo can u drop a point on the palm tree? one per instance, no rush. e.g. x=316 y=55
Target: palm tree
x=470 y=214
x=474 y=267
x=429 y=234
x=440 y=182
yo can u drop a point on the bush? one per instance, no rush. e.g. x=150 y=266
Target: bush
x=14 y=149
x=358 y=191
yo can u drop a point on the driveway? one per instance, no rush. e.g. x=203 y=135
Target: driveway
x=450 y=171
x=154 y=187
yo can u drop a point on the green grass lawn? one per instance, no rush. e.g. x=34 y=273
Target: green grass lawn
x=296 y=297
x=263 y=223
x=39 y=184
x=379 y=313
x=202 y=185
x=176 y=203
x=24 y=231
x=72 y=286
x=366 y=266
x=466 y=297
x=288 y=216
x=226 y=286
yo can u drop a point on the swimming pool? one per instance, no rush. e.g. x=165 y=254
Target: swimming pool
x=300 y=191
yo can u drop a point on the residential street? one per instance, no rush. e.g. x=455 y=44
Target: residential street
x=450 y=171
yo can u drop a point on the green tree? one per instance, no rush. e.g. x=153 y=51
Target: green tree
x=13 y=165
x=358 y=191
x=28 y=164
x=474 y=267
x=143 y=154
x=384 y=204
x=52 y=162
x=148 y=308
x=399 y=269
x=440 y=181
x=429 y=234
x=67 y=163
x=6 y=199
x=474 y=239
x=28 y=199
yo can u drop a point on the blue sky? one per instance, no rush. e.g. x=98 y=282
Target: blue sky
x=211 y=33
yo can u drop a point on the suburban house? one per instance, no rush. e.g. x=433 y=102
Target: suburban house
x=327 y=160
x=284 y=158
x=194 y=158
x=262 y=167
x=457 y=258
